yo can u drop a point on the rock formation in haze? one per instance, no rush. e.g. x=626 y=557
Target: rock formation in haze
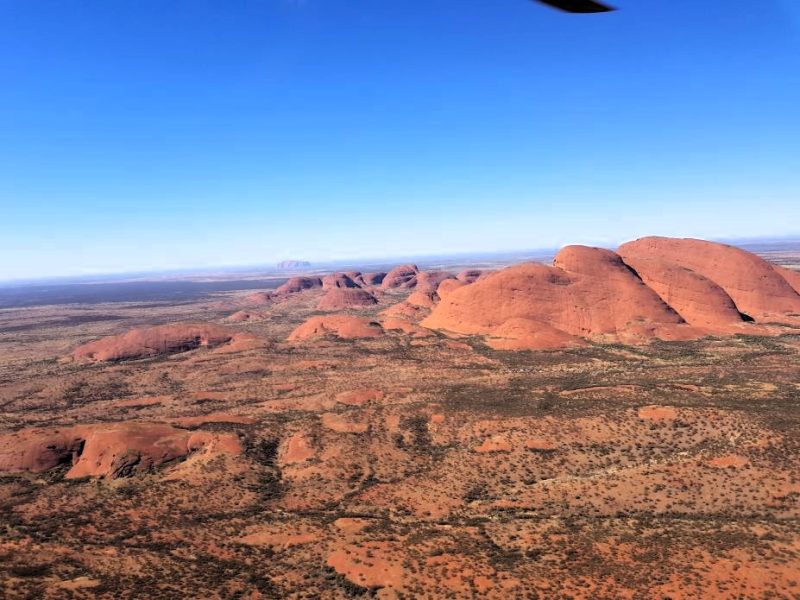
x=259 y=299
x=299 y=284
x=293 y=265
x=153 y=341
x=343 y=298
x=340 y=280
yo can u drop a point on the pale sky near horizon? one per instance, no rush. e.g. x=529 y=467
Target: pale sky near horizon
x=149 y=135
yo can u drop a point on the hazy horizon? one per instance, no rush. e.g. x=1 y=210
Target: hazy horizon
x=322 y=265
x=151 y=137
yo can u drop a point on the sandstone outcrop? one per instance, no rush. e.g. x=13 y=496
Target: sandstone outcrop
x=153 y=341
x=342 y=326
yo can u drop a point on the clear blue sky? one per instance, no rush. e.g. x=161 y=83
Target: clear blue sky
x=154 y=134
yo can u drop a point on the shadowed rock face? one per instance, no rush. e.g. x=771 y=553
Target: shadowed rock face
x=342 y=326
x=153 y=341
x=698 y=300
x=39 y=450
x=757 y=288
x=373 y=278
x=403 y=276
x=298 y=284
x=340 y=280
x=111 y=451
x=342 y=298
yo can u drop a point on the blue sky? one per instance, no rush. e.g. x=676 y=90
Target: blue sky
x=145 y=134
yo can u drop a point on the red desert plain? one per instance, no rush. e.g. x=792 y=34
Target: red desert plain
x=616 y=424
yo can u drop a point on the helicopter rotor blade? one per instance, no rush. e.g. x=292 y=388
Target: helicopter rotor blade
x=578 y=6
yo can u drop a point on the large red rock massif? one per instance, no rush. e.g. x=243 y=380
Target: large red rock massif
x=588 y=292
x=696 y=298
x=153 y=341
x=758 y=289
x=653 y=288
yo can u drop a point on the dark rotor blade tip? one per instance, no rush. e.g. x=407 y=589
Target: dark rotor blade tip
x=578 y=6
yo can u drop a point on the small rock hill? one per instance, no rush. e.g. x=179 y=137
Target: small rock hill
x=343 y=298
x=342 y=326
x=153 y=341
x=401 y=277
x=373 y=278
x=298 y=284
x=341 y=280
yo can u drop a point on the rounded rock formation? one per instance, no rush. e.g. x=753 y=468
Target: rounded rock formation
x=343 y=298
x=791 y=277
x=526 y=334
x=107 y=450
x=299 y=284
x=340 y=280
x=448 y=286
x=756 y=287
x=589 y=293
x=153 y=341
x=259 y=298
x=401 y=277
x=373 y=278
x=422 y=299
x=471 y=275
x=342 y=326
x=429 y=281
x=700 y=301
